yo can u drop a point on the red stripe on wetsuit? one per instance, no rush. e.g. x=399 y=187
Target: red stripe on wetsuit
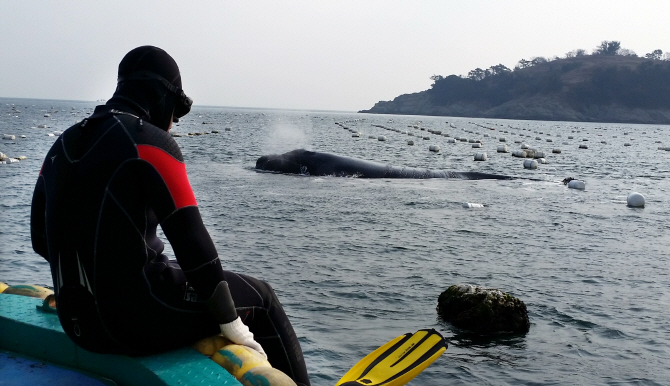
x=173 y=173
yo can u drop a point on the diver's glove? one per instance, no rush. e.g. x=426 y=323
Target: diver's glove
x=223 y=308
x=239 y=333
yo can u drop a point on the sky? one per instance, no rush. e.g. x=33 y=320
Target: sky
x=338 y=55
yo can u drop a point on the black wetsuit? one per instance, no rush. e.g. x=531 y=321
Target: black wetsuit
x=104 y=187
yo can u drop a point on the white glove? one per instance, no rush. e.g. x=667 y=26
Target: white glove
x=239 y=333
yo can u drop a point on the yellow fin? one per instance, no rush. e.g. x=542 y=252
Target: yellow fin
x=398 y=361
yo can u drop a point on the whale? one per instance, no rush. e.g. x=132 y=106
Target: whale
x=311 y=163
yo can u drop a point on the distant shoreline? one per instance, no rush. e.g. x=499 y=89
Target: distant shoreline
x=593 y=88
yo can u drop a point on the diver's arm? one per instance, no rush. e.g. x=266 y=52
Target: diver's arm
x=198 y=259
x=219 y=303
x=38 y=234
x=171 y=196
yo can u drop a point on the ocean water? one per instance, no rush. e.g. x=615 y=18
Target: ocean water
x=357 y=262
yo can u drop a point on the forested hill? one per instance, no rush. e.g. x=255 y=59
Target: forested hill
x=590 y=88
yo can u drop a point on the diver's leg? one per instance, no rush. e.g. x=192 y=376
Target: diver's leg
x=258 y=307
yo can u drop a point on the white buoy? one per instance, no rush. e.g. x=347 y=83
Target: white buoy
x=576 y=184
x=472 y=205
x=556 y=151
x=541 y=160
x=626 y=144
x=538 y=154
x=530 y=164
x=434 y=148
x=476 y=145
x=356 y=135
x=635 y=200
x=8 y=137
x=525 y=146
x=381 y=138
x=502 y=149
x=502 y=139
x=57 y=133
x=583 y=147
x=11 y=160
x=411 y=143
x=481 y=157
x=519 y=153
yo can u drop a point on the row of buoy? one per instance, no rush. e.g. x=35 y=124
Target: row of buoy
x=527 y=153
x=500 y=149
x=475 y=144
x=193 y=134
x=5 y=159
x=633 y=200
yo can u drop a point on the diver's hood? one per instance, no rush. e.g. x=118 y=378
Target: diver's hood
x=149 y=86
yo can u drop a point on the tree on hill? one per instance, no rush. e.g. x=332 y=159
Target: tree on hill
x=523 y=63
x=477 y=74
x=608 y=48
x=499 y=69
x=654 y=55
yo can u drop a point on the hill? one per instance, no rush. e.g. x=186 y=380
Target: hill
x=588 y=88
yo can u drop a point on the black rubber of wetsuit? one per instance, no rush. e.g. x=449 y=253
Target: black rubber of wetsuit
x=104 y=187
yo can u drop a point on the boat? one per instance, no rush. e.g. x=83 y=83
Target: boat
x=34 y=350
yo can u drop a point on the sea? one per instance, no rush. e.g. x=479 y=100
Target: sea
x=357 y=262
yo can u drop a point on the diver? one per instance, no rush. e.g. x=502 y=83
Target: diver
x=104 y=187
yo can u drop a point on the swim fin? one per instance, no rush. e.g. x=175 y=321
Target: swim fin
x=398 y=361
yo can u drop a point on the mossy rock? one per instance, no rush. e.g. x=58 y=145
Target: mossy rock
x=483 y=310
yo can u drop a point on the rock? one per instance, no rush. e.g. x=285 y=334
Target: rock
x=483 y=310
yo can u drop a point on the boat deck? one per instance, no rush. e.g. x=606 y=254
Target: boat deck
x=43 y=349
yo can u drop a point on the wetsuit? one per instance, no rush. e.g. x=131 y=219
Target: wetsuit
x=104 y=187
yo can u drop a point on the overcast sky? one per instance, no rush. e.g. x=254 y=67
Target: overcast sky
x=316 y=55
